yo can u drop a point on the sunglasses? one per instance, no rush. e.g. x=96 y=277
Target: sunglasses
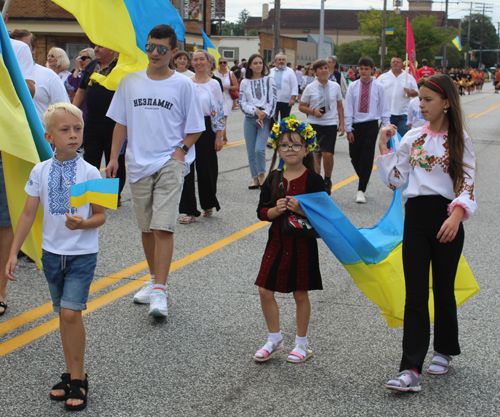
x=84 y=58
x=223 y=62
x=162 y=50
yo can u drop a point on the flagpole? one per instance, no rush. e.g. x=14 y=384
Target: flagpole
x=408 y=61
x=5 y=8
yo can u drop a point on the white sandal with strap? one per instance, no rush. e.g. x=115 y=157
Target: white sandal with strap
x=301 y=358
x=266 y=354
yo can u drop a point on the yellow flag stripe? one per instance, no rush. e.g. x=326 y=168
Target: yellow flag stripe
x=102 y=199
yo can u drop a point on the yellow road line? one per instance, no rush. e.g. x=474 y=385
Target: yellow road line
x=47 y=327
x=51 y=325
x=233 y=144
x=487 y=111
x=46 y=308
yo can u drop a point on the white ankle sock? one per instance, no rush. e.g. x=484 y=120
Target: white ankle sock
x=275 y=337
x=152 y=281
x=299 y=341
x=160 y=287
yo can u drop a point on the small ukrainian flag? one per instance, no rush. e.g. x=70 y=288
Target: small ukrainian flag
x=389 y=31
x=103 y=192
x=457 y=43
x=195 y=47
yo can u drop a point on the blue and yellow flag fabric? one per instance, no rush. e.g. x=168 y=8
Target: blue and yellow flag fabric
x=123 y=26
x=101 y=191
x=209 y=46
x=457 y=43
x=21 y=141
x=195 y=47
x=373 y=257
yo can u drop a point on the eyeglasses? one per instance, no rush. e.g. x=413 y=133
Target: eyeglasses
x=84 y=58
x=223 y=62
x=285 y=147
x=162 y=50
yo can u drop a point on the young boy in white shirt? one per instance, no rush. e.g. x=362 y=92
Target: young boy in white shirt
x=159 y=111
x=365 y=104
x=69 y=242
x=322 y=102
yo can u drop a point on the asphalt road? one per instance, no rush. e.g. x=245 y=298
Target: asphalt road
x=198 y=362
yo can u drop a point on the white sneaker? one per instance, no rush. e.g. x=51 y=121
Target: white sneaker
x=158 y=304
x=142 y=297
x=360 y=197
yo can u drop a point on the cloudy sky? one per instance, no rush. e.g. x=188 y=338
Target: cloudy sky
x=456 y=10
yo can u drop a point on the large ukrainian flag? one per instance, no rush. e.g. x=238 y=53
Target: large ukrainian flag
x=209 y=46
x=123 y=26
x=21 y=141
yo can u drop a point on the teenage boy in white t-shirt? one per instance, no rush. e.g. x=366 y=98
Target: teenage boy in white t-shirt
x=159 y=111
x=322 y=102
x=69 y=242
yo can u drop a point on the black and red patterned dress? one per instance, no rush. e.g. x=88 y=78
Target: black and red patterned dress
x=289 y=264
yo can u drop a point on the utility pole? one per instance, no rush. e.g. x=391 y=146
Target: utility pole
x=467 y=56
x=445 y=64
x=320 y=52
x=498 y=46
x=481 y=41
x=382 y=47
x=276 y=43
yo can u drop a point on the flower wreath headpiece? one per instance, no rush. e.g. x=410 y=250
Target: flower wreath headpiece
x=291 y=124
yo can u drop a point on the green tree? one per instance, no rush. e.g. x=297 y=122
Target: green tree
x=236 y=28
x=428 y=37
x=350 y=52
x=488 y=40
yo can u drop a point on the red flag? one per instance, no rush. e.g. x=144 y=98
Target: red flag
x=410 y=48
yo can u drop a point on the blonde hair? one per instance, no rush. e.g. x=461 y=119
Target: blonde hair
x=90 y=51
x=65 y=107
x=61 y=56
x=210 y=59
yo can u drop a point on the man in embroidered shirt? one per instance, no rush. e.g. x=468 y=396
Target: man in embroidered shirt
x=98 y=130
x=287 y=87
x=365 y=104
x=400 y=88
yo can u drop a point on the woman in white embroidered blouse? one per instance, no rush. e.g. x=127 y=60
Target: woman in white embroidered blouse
x=181 y=61
x=207 y=145
x=258 y=98
x=438 y=163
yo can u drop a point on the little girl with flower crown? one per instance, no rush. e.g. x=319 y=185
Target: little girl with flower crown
x=289 y=264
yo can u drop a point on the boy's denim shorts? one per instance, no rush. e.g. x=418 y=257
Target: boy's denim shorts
x=4 y=207
x=69 y=278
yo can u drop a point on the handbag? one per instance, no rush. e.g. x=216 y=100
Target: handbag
x=235 y=94
x=294 y=224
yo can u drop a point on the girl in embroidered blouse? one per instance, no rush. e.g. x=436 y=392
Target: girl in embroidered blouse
x=289 y=264
x=438 y=162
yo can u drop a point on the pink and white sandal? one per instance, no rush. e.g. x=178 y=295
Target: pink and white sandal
x=266 y=354
x=300 y=358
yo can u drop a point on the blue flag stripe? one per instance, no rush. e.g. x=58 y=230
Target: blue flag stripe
x=104 y=186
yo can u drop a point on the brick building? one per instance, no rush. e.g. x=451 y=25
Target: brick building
x=340 y=25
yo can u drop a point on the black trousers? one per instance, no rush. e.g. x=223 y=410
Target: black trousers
x=97 y=138
x=207 y=170
x=362 y=150
x=283 y=109
x=424 y=216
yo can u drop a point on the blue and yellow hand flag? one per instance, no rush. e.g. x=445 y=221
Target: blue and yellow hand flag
x=195 y=47
x=209 y=46
x=103 y=192
x=457 y=43
x=21 y=141
x=123 y=26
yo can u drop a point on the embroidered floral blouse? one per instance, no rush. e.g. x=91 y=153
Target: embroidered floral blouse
x=422 y=159
x=211 y=103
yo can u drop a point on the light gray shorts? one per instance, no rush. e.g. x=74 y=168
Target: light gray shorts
x=156 y=197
